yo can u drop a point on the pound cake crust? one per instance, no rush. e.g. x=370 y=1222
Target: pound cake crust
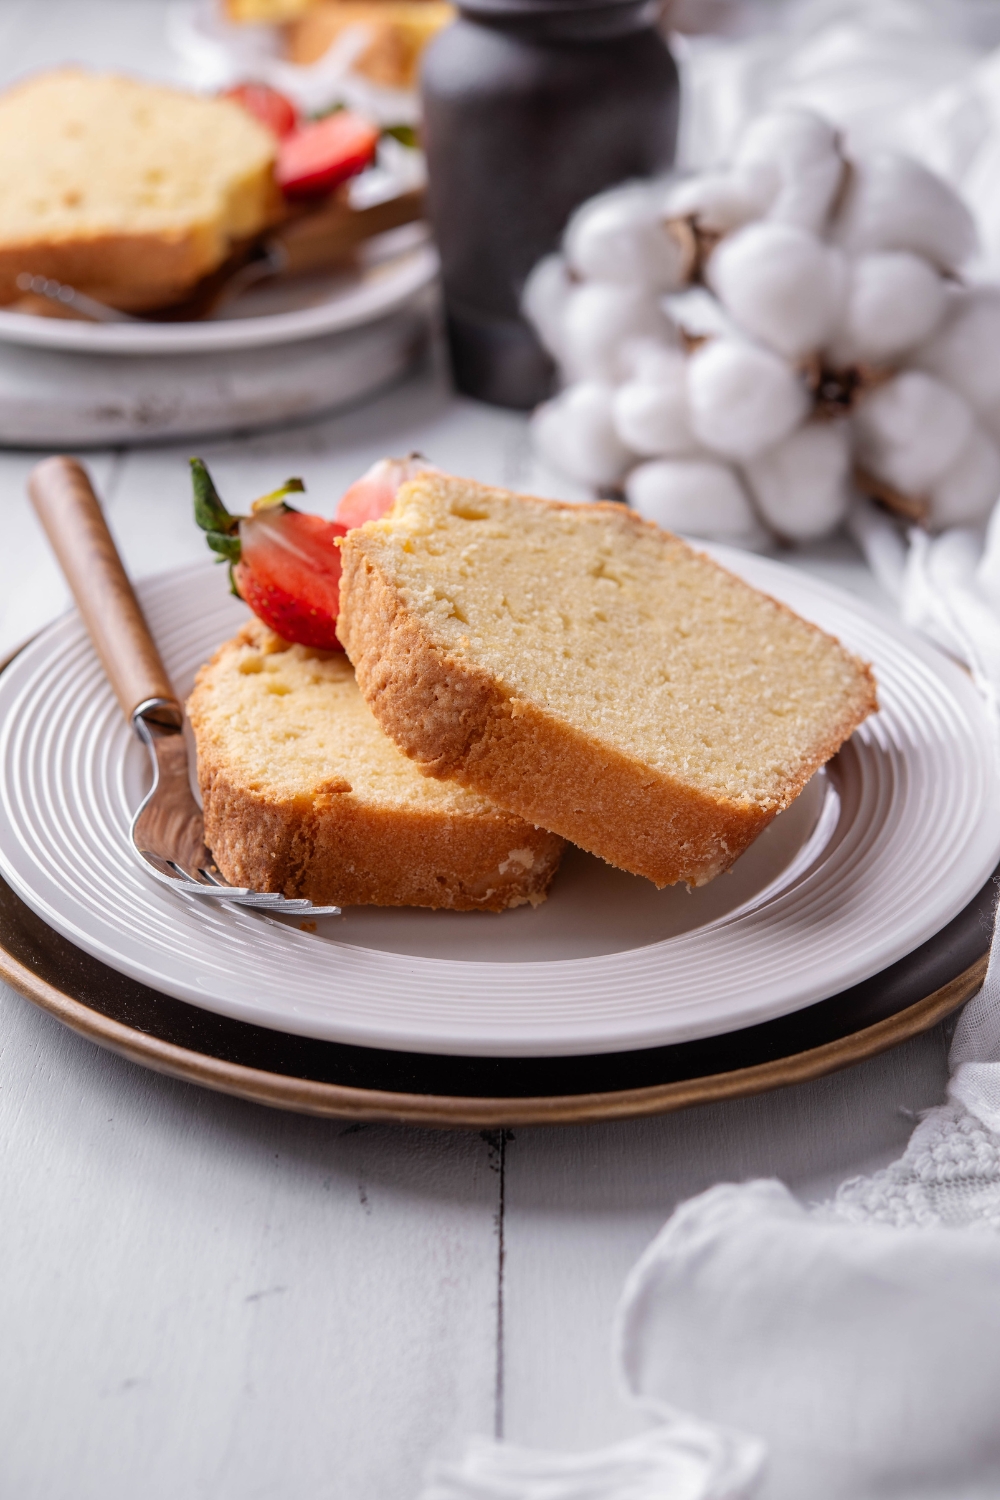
x=303 y=794
x=591 y=673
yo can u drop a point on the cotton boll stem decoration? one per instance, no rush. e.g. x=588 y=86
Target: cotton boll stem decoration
x=750 y=342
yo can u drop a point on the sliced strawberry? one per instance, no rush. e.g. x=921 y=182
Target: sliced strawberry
x=267 y=105
x=373 y=494
x=283 y=562
x=319 y=156
x=289 y=574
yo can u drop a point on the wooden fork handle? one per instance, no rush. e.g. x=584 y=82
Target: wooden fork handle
x=67 y=507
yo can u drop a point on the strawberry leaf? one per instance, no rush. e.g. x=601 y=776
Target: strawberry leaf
x=209 y=511
x=406 y=135
x=229 y=548
x=276 y=499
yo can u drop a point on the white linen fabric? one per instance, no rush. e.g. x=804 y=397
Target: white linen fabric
x=850 y=1351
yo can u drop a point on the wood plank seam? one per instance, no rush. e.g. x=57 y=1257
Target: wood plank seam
x=498 y=1396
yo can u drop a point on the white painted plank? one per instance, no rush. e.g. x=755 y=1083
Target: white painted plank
x=581 y=1204
x=205 y=1298
x=32 y=590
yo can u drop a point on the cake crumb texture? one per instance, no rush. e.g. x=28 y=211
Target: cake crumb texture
x=304 y=794
x=592 y=673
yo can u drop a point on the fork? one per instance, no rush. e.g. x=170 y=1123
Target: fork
x=168 y=830
x=318 y=240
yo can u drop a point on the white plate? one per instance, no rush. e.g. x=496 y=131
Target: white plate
x=877 y=855
x=283 y=313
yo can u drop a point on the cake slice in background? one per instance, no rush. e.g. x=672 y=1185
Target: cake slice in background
x=128 y=191
x=397 y=33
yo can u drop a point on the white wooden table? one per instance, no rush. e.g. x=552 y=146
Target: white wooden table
x=204 y=1298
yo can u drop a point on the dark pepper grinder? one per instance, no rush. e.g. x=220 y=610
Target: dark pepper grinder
x=529 y=108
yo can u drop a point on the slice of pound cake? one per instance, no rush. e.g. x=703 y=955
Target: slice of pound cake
x=305 y=795
x=591 y=673
x=127 y=190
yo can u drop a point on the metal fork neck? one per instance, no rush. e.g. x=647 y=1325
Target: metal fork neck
x=157 y=716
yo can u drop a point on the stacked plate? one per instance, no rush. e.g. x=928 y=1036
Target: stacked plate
x=883 y=850
x=279 y=352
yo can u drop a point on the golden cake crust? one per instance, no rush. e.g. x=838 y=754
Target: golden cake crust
x=322 y=838
x=459 y=720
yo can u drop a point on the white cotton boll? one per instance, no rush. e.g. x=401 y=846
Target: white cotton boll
x=801 y=484
x=599 y=319
x=781 y=284
x=965 y=351
x=743 y=399
x=695 y=496
x=700 y=314
x=543 y=301
x=718 y=201
x=894 y=301
x=621 y=237
x=652 y=416
x=894 y=203
x=911 y=430
x=648 y=359
x=793 y=155
x=575 y=433
x=968 y=490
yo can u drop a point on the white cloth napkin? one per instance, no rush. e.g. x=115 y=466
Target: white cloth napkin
x=850 y=1351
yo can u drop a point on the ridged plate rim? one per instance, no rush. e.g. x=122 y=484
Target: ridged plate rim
x=931 y=838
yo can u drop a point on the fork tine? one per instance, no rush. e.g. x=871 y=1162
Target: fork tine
x=206 y=885
x=263 y=899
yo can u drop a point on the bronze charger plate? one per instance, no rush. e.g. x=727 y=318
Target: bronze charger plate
x=363 y=1083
